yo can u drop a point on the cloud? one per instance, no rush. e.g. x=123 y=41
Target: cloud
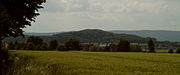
x=108 y=14
x=66 y=5
x=112 y=6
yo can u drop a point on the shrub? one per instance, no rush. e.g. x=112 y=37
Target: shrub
x=4 y=61
x=5 y=54
x=20 y=46
x=85 y=47
x=171 y=51
x=135 y=48
x=178 y=51
x=112 y=48
x=62 y=48
x=96 y=48
x=43 y=46
x=11 y=46
x=30 y=46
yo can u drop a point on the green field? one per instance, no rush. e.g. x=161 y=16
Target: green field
x=94 y=63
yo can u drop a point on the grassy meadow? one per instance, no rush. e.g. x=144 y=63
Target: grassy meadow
x=94 y=63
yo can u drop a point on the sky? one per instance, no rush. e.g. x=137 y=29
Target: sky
x=73 y=15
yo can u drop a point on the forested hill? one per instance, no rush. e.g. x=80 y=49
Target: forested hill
x=94 y=36
x=89 y=36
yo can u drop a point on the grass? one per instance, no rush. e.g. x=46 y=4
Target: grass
x=94 y=63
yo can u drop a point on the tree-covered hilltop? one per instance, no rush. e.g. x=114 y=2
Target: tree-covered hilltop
x=95 y=36
x=90 y=36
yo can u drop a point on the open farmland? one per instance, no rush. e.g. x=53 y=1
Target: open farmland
x=94 y=63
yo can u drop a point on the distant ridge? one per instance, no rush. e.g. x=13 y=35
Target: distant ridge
x=41 y=34
x=160 y=35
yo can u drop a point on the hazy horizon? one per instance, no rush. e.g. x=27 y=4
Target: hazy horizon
x=99 y=29
x=74 y=15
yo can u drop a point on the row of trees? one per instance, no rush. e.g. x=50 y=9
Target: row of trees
x=172 y=51
x=36 y=43
x=32 y=43
x=123 y=46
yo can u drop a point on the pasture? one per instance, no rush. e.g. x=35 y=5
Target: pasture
x=94 y=63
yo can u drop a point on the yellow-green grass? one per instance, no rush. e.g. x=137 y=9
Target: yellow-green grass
x=162 y=50
x=95 y=63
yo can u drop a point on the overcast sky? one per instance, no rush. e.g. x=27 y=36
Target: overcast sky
x=73 y=15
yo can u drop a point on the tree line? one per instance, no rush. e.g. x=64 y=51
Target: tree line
x=36 y=43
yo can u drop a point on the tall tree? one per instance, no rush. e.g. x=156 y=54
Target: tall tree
x=73 y=44
x=178 y=51
x=124 y=46
x=151 y=46
x=53 y=44
x=15 y=15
